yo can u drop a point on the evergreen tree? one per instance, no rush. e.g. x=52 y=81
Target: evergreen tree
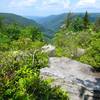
x=77 y=24
x=97 y=25
x=13 y=31
x=36 y=34
x=69 y=19
x=86 y=20
x=1 y=23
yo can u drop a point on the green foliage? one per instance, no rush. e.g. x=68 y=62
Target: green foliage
x=69 y=19
x=97 y=25
x=68 y=42
x=86 y=20
x=79 y=34
x=4 y=40
x=13 y=32
x=40 y=59
x=26 y=32
x=84 y=38
x=15 y=37
x=25 y=44
x=36 y=34
x=77 y=25
x=1 y=22
x=19 y=78
x=52 y=23
x=20 y=61
x=92 y=56
x=13 y=18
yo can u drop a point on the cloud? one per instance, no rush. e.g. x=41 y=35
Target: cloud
x=47 y=7
x=91 y=5
x=22 y=3
x=56 y=3
x=86 y=2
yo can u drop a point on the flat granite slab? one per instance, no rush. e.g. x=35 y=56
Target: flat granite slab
x=77 y=78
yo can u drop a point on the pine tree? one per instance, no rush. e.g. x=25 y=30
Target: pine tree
x=1 y=23
x=36 y=34
x=69 y=19
x=97 y=25
x=86 y=20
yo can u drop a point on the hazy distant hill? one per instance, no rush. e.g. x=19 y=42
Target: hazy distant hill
x=13 y=18
x=9 y=18
x=51 y=23
x=54 y=22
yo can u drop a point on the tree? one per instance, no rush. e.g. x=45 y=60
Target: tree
x=86 y=20
x=92 y=56
x=36 y=34
x=69 y=19
x=13 y=32
x=97 y=25
x=77 y=24
x=1 y=23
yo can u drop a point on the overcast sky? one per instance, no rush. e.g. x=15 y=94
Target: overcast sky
x=48 y=7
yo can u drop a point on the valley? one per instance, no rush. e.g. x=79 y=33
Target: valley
x=50 y=58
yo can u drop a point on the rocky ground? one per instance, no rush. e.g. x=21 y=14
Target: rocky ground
x=77 y=78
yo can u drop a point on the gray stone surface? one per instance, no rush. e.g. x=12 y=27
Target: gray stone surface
x=49 y=49
x=77 y=78
x=80 y=52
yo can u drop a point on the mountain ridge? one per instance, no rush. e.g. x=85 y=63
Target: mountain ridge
x=53 y=22
x=9 y=18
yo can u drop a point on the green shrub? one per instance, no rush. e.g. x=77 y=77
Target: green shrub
x=13 y=31
x=40 y=60
x=92 y=56
x=20 y=79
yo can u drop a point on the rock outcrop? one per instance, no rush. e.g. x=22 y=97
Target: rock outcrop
x=80 y=52
x=76 y=78
x=49 y=49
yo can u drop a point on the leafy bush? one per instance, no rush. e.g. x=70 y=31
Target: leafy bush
x=36 y=34
x=20 y=79
x=97 y=25
x=13 y=31
x=25 y=44
x=4 y=42
x=92 y=56
x=68 y=42
x=40 y=60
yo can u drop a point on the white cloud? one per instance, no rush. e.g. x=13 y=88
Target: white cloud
x=53 y=6
x=86 y=2
x=22 y=3
x=89 y=5
x=60 y=3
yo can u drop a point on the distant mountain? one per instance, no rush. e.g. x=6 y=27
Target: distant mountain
x=9 y=18
x=54 y=22
x=48 y=25
x=51 y=23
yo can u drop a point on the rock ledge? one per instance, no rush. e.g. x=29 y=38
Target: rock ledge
x=75 y=77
